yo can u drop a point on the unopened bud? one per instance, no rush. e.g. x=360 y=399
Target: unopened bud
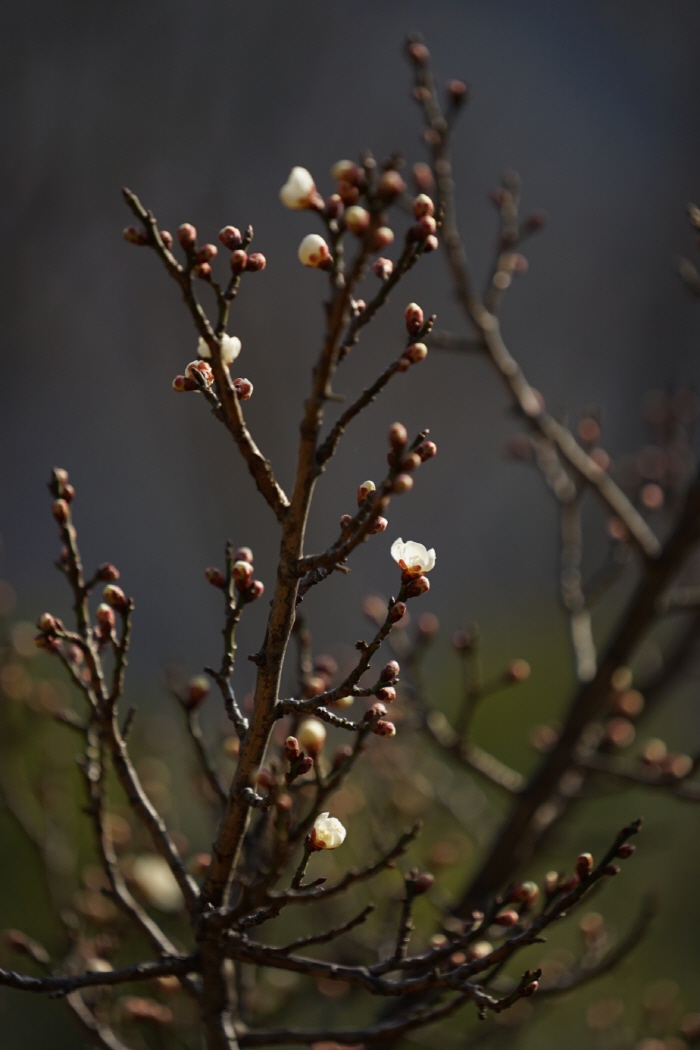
x=255 y=590
x=415 y=352
x=525 y=893
x=383 y=237
x=550 y=883
x=517 y=671
x=115 y=597
x=135 y=235
x=243 y=554
x=206 y=253
x=398 y=435
x=107 y=573
x=418 y=53
x=535 y=221
x=379 y=525
x=397 y=612
x=256 y=262
x=390 y=671
x=402 y=483
x=292 y=749
x=626 y=850
x=457 y=92
x=423 y=206
x=418 y=586
x=105 y=616
x=391 y=185
x=187 y=236
x=167 y=239
x=314 y=252
x=584 y=865
x=238 y=261
x=244 y=389
x=426 y=450
x=60 y=511
x=47 y=623
x=357 y=219
x=365 y=489
x=423 y=178
x=202 y=270
x=347 y=171
x=387 y=694
x=230 y=237
x=420 y=884
x=411 y=462
x=382 y=268
x=198 y=689
x=215 y=577
x=530 y=988
x=611 y=869
x=509 y=917
x=242 y=572
x=479 y=950
x=346 y=520
x=430 y=244
x=334 y=206
x=414 y=318
x=428 y=625
x=185 y=384
x=382 y=728
x=311 y=735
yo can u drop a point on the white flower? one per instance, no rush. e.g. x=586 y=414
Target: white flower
x=299 y=191
x=230 y=348
x=155 y=879
x=327 y=832
x=413 y=557
x=313 y=251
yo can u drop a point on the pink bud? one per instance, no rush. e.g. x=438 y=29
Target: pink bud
x=365 y=489
x=167 y=239
x=203 y=271
x=242 y=573
x=115 y=597
x=107 y=573
x=383 y=237
x=215 y=577
x=626 y=850
x=230 y=237
x=387 y=694
x=424 y=179
x=426 y=450
x=507 y=918
x=379 y=525
x=418 y=54
x=611 y=869
x=198 y=689
x=185 y=384
x=200 y=370
x=430 y=244
x=47 y=623
x=346 y=520
x=584 y=865
x=243 y=554
x=382 y=728
x=256 y=262
x=105 y=616
x=423 y=206
x=422 y=883
x=414 y=318
x=256 y=590
x=292 y=750
x=244 y=389
x=411 y=462
x=135 y=235
x=383 y=268
x=391 y=185
x=206 y=253
x=357 y=219
x=398 y=435
x=417 y=587
x=60 y=511
x=390 y=671
x=187 y=236
x=416 y=352
x=397 y=612
x=238 y=261
x=457 y=92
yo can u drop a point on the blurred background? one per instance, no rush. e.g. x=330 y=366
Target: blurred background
x=202 y=109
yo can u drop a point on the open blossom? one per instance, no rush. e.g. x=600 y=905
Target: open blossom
x=230 y=348
x=327 y=832
x=313 y=251
x=299 y=191
x=413 y=558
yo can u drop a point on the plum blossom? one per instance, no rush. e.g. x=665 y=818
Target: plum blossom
x=313 y=251
x=230 y=348
x=327 y=832
x=413 y=558
x=299 y=191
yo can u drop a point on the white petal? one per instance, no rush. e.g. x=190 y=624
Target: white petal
x=397 y=549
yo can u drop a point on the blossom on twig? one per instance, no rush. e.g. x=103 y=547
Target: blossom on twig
x=327 y=832
x=230 y=348
x=313 y=251
x=413 y=558
x=299 y=191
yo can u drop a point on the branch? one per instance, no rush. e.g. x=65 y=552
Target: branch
x=57 y=986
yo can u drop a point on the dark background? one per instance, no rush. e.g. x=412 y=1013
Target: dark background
x=202 y=109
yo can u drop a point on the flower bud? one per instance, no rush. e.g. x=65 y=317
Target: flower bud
x=256 y=262
x=411 y=462
x=517 y=671
x=357 y=219
x=382 y=268
x=417 y=885
x=374 y=712
x=299 y=191
x=60 y=511
x=423 y=206
x=398 y=435
x=206 y=253
x=550 y=883
x=509 y=917
x=185 y=384
x=334 y=206
x=391 y=185
x=346 y=520
x=422 y=229
x=344 y=702
x=244 y=389
x=47 y=623
x=347 y=171
x=611 y=869
x=379 y=525
x=390 y=671
x=426 y=450
x=479 y=950
x=414 y=318
x=105 y=616
x=383 y=237
x=457 y=92
x=327 y=833
x=215 y=577
x=202 y=270
x=365 y=489
x=535 y=221
x=292 y=750
x=584 y=865
x=626 y=850
x=135 y=235
x=187 y=236
x=402 y=483
x=198 y=689
x=415 y=352
x=387 y=694
x=167 y=239
x=417 y=586
x=115 y=597
x=230 y=237
x=530 y=988
x=254 y=591
x=397 y=612
x=430 y=244
x=525 y=893
x=423 y=178
x=107 y=573
x=238 y=261
x=314 y=252
x=312 y=736
x=201 y=372
x=382 y=728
